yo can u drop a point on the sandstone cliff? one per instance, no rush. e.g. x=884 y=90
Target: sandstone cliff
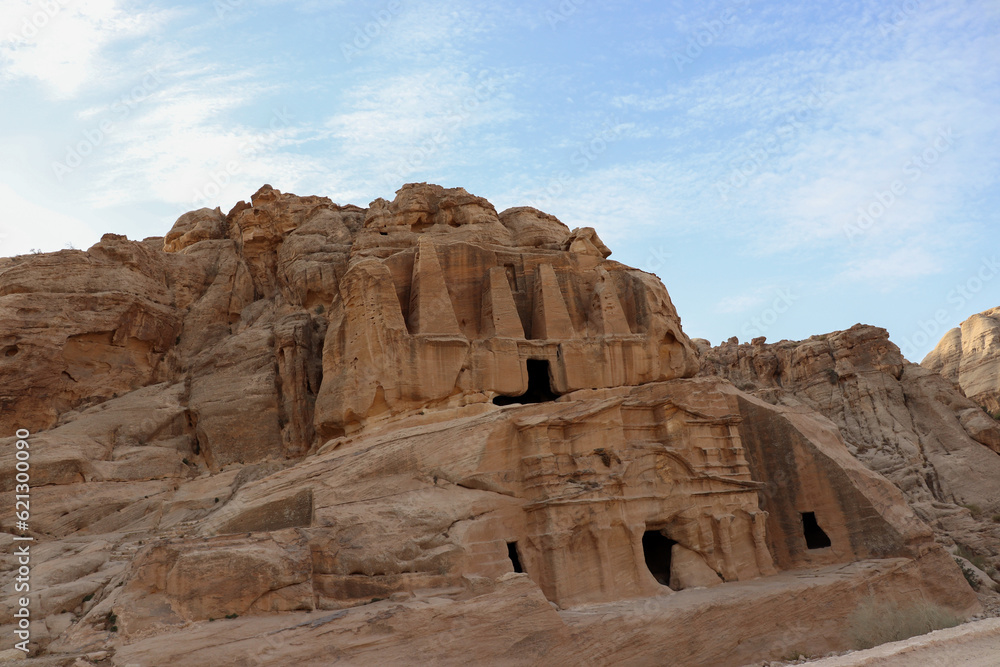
x=898 y=418
x=969 y=356
x=302 y=433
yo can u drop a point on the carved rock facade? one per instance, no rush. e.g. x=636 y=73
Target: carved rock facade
x=898 y=418
x=420 y=424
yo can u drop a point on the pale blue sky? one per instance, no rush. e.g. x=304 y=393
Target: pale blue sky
x=729 y=147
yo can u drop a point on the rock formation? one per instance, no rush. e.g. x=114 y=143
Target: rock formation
x=302 y=432
x=969 y=356
x=898 y=418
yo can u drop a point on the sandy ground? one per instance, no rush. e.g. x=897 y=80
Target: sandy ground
x=974 y=644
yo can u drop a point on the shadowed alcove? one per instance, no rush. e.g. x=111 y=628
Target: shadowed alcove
x=539 y=386
x=656 y=547
x=515 y=559
x=816 y=537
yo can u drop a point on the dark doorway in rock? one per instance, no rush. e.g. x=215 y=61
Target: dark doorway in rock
x=539 y=386
x=515 y=560
x=656 y=547
x=816 y=538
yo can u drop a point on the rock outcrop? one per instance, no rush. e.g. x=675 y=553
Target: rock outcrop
x=900 y=419
x=304 y=432
x=969 y=356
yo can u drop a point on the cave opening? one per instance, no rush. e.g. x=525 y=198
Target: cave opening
x=539 y=386
x=816 y=537
x=656 y=548
x=515 y=560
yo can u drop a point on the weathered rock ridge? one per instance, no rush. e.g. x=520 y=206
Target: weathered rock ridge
x=898 y=418
x=969 y=356
x=302 y=433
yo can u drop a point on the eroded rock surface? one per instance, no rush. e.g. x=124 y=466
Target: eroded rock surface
x=969 y=356
x=303 y=432
x=900 y=419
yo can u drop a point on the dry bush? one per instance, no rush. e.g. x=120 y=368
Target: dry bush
x=876 y=622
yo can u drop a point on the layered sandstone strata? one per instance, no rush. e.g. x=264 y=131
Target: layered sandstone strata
x=900 y=419
x=304 y=432
x=969 y=356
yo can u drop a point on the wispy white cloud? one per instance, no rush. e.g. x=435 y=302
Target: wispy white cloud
x=414 y=122
x=183 y=146
x=622 y=201
x=806 y=138
x=741 y=303
x=886 y=272
x=60 y=42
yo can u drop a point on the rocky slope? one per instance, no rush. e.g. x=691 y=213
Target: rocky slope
x=900 y=419
x=303 y=433
x=969 y=356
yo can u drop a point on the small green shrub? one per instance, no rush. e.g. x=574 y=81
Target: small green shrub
x=876 y=622
x=231 y=616
x=970 y=576
x=319 y=309
x=996 y=518
x=974 y=558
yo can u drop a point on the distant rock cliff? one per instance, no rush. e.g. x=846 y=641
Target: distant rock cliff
x=969 y=356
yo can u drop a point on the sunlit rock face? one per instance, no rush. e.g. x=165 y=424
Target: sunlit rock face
x=969 y=356
x=900 y=419
x=441 y=300
x=335 y=432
